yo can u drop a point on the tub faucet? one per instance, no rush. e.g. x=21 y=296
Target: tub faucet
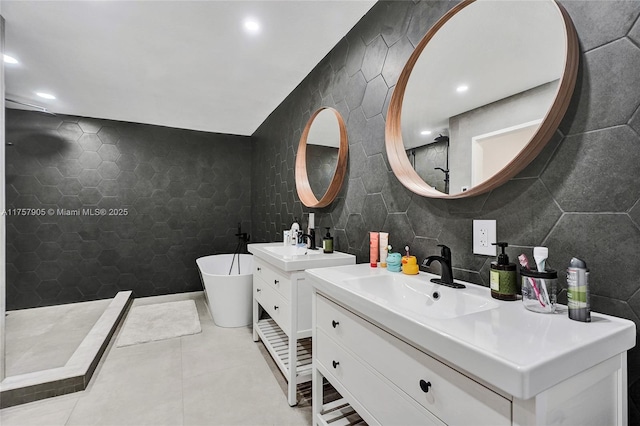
x=446 y=275
x=311 y=237
x=243 y=236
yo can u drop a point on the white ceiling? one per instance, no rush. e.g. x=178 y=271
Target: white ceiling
x=184 y=64
x=497 y=49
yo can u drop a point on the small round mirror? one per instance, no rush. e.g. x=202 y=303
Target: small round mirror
x=321 y=160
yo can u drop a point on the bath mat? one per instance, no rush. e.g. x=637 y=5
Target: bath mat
x=161 y=321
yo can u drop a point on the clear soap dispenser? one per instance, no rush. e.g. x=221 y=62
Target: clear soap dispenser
x=295 y=231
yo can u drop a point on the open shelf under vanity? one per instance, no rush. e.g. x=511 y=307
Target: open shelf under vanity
x=339 y=413
x=277 y=343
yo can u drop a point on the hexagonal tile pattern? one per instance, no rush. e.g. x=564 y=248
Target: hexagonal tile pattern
x=396 y=58
x=374 y=56
x=375 y=174
x=109 y=152
x=530 y=222
x=374 y=211
x=356 y=232
x=611 y=21
x=108 y=170
x=49 y=176
x=609 y=163
x=90 y=142
x=89 y=160
x=80 y=252
x=607 y=233
x=109 y=135
x=596 y=104
x=356 y=49
x=356 y=87
x=49 y=195
x=70 y=131
x=69 y=168
x=374 y=97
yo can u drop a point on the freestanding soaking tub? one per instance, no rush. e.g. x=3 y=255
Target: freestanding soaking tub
x=228 y=290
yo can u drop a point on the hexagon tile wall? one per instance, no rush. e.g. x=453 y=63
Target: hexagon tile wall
x=169 y=195
x=580 y=196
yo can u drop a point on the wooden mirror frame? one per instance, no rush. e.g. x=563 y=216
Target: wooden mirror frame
x=305 y=193
x=393 y=132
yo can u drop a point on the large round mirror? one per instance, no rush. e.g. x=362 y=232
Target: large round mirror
x=321 y=160
x=481 y=95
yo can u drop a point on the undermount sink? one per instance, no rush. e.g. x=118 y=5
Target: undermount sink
x=418 y=297
x=293 y=251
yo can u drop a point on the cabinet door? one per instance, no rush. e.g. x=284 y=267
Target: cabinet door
x=386 y=404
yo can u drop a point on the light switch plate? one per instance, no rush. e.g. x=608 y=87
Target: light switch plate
x=484 y=234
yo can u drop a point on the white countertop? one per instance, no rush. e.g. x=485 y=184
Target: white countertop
x=516 y=350
x=299 y=262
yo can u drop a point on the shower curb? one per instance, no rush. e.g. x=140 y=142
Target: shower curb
x=77 y=372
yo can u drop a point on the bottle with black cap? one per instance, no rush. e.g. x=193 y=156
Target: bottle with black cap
x=504 y=280
x=327 y=242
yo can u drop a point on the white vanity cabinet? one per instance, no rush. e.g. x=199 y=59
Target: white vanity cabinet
x=281 y=290
x=391 y=382
x=286 y=297
x=500 y=366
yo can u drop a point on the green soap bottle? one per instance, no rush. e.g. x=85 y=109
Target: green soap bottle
x=504 y=280
x=327 y=243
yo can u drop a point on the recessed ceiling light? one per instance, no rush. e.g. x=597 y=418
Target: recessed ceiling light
x=10 y=60
x=251 y=26
x=462 y=88
x=45 y=95
x=425 y=132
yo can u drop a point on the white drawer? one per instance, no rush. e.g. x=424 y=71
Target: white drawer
x=279 y=280
x=405 y=366
x=383 y=402
x=275 y=305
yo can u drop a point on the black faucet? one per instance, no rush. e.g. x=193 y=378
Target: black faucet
x=446 y=276
x=311 y=237
x=242 y=236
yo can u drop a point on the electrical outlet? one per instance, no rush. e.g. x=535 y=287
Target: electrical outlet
x=484 y=234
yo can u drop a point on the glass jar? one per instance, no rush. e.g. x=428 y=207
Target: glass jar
x=539 y=290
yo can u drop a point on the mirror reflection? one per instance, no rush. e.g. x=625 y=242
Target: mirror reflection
x=323 y=142
x=480 y=90
x=321 y=159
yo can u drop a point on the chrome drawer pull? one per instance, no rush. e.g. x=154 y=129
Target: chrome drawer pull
x=335 y=323
x=335 y=364
x=425 y=386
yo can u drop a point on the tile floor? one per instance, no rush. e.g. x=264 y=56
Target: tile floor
x=217 y=377
x=42 y=338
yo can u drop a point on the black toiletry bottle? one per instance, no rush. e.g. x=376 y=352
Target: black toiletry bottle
x=504 y=280
x=327 y=242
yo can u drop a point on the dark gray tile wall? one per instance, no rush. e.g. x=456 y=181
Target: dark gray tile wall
x=579 y=197
x=184 y=193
